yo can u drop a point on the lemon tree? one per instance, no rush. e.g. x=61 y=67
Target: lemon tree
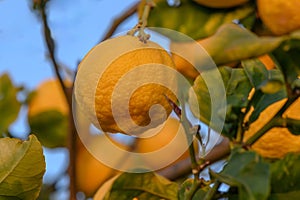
x=126 y=85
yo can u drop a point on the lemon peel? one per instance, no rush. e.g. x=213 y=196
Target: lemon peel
x=277 y=142
x=280 y=16
x=221 y=3
x=121 y=85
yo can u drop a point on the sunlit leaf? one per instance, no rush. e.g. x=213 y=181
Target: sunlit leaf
x=9 y=105
x=195 y=20
x=142 y=186
x=22 y=166
x=233 y=43
x=247 y=171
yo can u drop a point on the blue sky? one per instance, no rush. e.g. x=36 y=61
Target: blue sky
x=76 y=25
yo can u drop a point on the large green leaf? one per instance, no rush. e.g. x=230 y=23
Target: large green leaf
x=237 y=87
x=233 y=43
x=50 y=127
x=195 y=20
x=22 y=166
x=9 y=105
x=248 y=172
x=142 y=186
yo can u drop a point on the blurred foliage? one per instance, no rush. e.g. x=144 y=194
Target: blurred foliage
x=9 y=104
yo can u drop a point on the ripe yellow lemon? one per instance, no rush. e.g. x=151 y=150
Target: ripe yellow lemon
x=48 y=114
x=169 y=142
x=221 y=3
x=90 y=172
x=277 y=142
x=280 y=16
x=121 y=81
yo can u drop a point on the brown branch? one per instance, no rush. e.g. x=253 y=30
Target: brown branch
x=51 y=49
x=68 y=94
x=116 y=22
x=183 y=167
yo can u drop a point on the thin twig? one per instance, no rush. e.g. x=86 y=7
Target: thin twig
x=116 y=22
x=51 y=49
x=68 y=95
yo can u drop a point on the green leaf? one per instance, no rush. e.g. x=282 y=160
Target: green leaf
x=247 y=171
x=142 y=186
x=233 y=43
x=293 y=125
x=50 y=127
x=285 y=196
x=288 y=58
x=9 y=105
x=237 y=90
x=186 y=187
x=261 y=101
x=286 y=174
x=195 y=20
x=269 y=86
x=268 y=81
x=22 y=166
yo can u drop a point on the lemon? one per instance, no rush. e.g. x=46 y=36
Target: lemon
x=48 y=114
x=267 y=61
x=172 y=134
x=280 y=16
x=221 y=3
x=277 y=142
x=90 y=172
x=121 y=81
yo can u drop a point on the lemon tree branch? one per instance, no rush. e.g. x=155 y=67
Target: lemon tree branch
x=119 y=20
x=68 y=95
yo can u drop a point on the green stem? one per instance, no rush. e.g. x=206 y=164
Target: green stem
x=187 y=127
x=193 y=189
x=276 y=121
x=212 y=191
x=140 y=27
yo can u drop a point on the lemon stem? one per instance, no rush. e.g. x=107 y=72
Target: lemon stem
x=140 y=27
